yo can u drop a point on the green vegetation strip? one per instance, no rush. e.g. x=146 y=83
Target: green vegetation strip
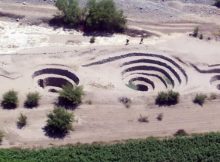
x=196 y=148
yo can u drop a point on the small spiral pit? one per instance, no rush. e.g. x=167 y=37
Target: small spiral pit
x=52 y=79
x=215 y=81
x=213 y=70
x=146 y=72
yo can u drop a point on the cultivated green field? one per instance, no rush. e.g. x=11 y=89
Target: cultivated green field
x=196 y=148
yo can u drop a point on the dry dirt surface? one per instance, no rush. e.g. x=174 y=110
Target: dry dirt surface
x=32 y=50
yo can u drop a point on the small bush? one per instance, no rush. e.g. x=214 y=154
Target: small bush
x=201 y=36
x=195 y=32
x=59 y=123
x=143 y=119
x=167 y=98
x=92 y=40
x=32 y=100
x=70 y=96
x=22 y=121
x=181 y=132
x=160 y=117
x=10 y=100
x=200 y=99
x=126 y=101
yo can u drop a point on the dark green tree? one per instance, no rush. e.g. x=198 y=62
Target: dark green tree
x=71 y=11
x=103 y=16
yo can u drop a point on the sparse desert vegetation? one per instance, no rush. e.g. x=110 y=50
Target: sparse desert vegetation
x=200 y=99
x=143 y=119
x=22 y=121
x=125 y=101
x=160 y=117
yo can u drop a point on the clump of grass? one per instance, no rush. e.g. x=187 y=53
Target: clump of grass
x=10 y=100
x=167 y=98
x=32 y=100
x=88 y=102
x=200 y=99
x=160 y=117
x=180 y=132
x=126 y=101
x=143 y=119
x=22 y=121
x=201 y=36
x=195 y=32
x=92 y=40
x=213 y=96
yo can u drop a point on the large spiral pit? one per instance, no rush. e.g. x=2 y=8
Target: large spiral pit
x=215 y=81
x=147 y=72
x=52 y=79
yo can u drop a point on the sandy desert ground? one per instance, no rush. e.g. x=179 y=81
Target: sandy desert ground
x=168 y=59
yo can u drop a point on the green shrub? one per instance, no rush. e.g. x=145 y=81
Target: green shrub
x=22 y=121
x=32 y=100
x=71 y=11
x=10 y=100
x=217 y=3
x=59 y=123
x=200 y=99
x=104 y=16
x=167 y=98
x=70 y=96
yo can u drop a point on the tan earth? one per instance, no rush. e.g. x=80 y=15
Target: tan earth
x=185 y=64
